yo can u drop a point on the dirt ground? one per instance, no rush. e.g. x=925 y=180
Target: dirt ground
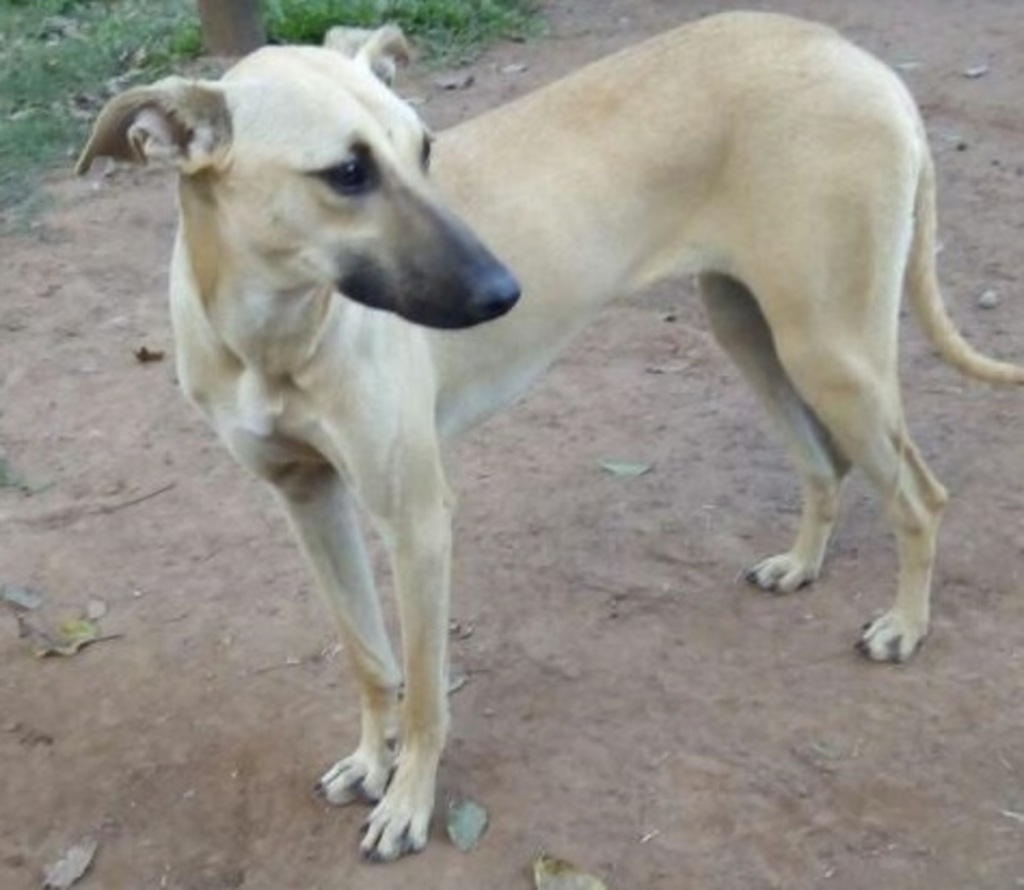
x=629 y=704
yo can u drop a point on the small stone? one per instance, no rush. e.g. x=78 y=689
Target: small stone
x=988 y=300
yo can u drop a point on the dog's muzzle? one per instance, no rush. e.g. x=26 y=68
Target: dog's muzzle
x=447 y=295
x=494 y=293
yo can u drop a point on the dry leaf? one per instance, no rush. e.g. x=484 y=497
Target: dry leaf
x=461 y=630
x=76 y=633
x=973 y=72
x=624 y=469
x=456 y=680
x=550 y=873
x=71 y=866
x=144 y=355
x=467 y=822
x=68 y=639
x=460 y=80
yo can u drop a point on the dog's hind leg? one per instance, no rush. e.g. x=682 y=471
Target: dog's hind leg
x=851 y=385
x=739 y=326
x=323 y=516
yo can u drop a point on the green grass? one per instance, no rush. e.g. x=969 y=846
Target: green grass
x=450 y=31
x=60 y=60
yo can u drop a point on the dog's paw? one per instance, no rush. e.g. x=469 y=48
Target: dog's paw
x=400 y=822
x=781 y=574
x=356 y=778
x=890 y=638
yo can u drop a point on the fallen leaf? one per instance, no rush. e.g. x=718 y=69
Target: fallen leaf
x=459 y=80
x=830 y=750
x=28 y=736
x=144 y=355
x=550 y=873
x=77 y=632
x=461 y=630
x=975 y=71
x=68 y=639
x=58 y=27
x=467 y=821
x=624 y=469
x=456 y=680
x=71 y=866
x=24 y=598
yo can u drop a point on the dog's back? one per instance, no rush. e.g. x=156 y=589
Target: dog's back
x=688 y=152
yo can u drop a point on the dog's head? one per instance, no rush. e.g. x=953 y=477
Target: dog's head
x=301 y=168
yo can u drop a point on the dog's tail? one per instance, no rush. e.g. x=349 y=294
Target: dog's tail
x=925 y=298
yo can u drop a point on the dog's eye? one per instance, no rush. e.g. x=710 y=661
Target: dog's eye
x=353 y=176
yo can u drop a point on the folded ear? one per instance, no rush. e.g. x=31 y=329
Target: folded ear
x=382 y=50
x=174 y=121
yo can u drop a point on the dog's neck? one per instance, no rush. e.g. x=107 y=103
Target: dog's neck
x=275 y=331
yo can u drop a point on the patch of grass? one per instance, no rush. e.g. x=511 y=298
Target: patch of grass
x=60 y=60
x=450 y=31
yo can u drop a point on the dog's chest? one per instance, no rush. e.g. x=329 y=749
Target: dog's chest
x=243 y=376
x=262 y=422
x=259 y=407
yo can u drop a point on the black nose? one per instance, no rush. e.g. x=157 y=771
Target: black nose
x=494 y=292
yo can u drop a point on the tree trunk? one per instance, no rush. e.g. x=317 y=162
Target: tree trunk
x=231 y=27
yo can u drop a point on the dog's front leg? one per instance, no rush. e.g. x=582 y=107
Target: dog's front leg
x=323 y=517
x=415 y=523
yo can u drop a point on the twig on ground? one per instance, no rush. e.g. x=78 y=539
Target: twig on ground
x=113 y=508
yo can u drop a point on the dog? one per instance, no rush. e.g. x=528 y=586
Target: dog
x=348 y=290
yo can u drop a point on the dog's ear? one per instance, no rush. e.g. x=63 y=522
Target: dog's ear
x=382 y=50
x=174 y=121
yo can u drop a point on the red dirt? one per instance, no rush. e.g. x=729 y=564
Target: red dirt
x=629 y=705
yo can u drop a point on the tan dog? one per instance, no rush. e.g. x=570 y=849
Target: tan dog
x=786 y=167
